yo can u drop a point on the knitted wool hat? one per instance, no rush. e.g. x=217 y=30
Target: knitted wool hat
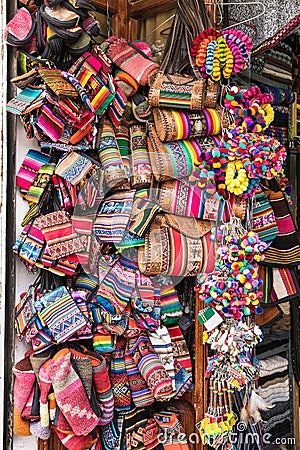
x=23 y=390
x=129 y=59
x=140 y=392
x=70 y=394
x=135 y=422
x=151 y=369
x=37 y=360
x=102 y=385
x=128 y=84
x=119 y=378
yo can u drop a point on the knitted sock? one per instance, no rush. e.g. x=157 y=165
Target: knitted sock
x=140 y=392
x=39 y=431
x=83 y=367
x=172 y=430
x=152 y=370
x=23 y=389
x=135 y=422
x=128 y=84
x=119 y=378
x=45 y=386
x=180 y=349
x=130 y=60
x=162 y=345
x=37 y=360
x=102 y=385
x=70 y=394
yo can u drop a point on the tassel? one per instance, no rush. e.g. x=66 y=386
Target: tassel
x=255 y=405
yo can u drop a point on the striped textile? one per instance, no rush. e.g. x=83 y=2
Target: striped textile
x=122 y=138
x=162 y=345
x=110 y=156
x=140 y=392
x=263 y=218
x=117 y=107
x=119 y=378
x=32 y=163
x=180 y=349
x=40 y=183
x=50 y=123
x=73 y=167
x=151 y=368
x=140 y=162
x=116 y=288
x=60 y=314
x=285 y=249
x=53 y=78
x=143 y=214
x=26 y=101
x=113 y=216
x=170 y=306
x=30 y=243
x=279 y=285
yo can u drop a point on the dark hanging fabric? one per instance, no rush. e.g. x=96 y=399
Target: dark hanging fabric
x=190 y=19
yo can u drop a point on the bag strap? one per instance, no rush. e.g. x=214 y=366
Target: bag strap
x=190 y=19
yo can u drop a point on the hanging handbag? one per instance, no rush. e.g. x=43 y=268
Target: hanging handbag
x=171 y=160
x=176 y=246
x=176 y=91
x=172 y=125
x=31 y=164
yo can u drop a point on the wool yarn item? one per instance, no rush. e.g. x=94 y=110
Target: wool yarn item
x=251 y=109
x=130 y=59
x=219 y=54
x=70 y=394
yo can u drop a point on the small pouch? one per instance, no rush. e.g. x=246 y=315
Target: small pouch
x=20 y=30
x=60 y=235
x=30 y=243
x=26 y=101
x=104 y=342
x=176 y=246
x=25 y=312
x=116 y=287
x=113 y=216
x=49 y=122
x=73 y=167
x=140 y=163
x=59 y=312
x=177 y=91
x=279 y=285
x=57 y=83
x=40 y=183
x=172 y=125
x=32 y=163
